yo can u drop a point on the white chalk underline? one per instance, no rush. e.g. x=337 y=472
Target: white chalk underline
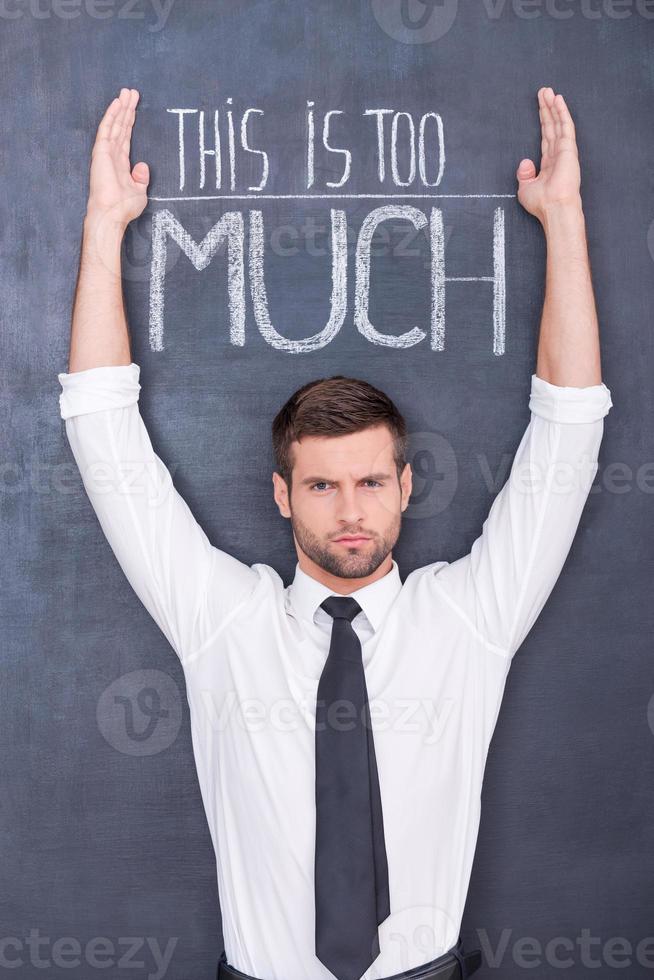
x=310 y=197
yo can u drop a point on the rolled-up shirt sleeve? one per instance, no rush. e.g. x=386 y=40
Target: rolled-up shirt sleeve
x=163 y=551
x=501 y=586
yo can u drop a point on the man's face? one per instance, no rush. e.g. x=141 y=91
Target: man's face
x=345 y=487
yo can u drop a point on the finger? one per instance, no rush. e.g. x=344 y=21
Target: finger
x=564 y=127
x=117 y=125
x=125 y=99
x=546 y=118
x=544 y=144
x=141 y=173
x=526 y=170
x=556 y=117
x=565 y=119
x=104 y=129
x=128 y=116
x=129 y=121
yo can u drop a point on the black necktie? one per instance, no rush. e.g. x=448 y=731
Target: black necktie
x=351 y=871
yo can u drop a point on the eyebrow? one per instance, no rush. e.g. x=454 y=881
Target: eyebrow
x=324 y=479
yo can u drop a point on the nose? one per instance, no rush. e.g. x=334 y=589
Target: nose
x=350 y=510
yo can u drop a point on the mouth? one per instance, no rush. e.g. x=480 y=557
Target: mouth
x=358 y=539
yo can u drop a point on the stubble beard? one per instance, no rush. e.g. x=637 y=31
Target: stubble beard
x=354 y=563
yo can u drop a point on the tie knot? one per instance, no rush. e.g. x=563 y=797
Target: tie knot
x=341 y=607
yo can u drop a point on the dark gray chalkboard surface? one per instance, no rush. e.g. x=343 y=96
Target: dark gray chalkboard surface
x=104 y=835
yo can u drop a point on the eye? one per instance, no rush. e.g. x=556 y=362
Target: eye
x=323 y=483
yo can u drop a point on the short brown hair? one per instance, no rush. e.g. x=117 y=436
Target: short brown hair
x=332 y=407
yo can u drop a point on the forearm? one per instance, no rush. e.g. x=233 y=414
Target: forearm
x=568 y=347
x=99 y=332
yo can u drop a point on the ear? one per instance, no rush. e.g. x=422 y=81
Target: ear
x=406 y=483
x=280 y=494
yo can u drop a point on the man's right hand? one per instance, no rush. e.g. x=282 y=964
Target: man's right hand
x=117 y=192
x=117 y=195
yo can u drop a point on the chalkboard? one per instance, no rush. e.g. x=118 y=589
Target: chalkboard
x=102 y=840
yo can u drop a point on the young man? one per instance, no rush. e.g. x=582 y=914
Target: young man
x=344 y=815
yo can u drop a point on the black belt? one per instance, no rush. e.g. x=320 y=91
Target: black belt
x=455 y=964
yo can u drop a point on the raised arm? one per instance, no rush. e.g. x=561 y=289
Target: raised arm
x=568 y=346
x=500 y=587
x=187 y=585
x=117 y=195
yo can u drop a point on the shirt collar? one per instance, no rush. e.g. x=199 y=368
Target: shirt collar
x=306 y=593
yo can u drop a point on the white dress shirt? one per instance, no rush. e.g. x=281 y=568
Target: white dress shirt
x=436 y=651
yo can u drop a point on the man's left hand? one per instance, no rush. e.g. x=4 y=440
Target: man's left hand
x=559 y=180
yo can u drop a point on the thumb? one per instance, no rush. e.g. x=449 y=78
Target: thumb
x=141 y=173
x=526 y=170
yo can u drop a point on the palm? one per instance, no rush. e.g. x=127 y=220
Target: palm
x=559 y=178
x=113 y=190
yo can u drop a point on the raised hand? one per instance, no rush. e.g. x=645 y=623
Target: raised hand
x=117 y=192
x=559 y=179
